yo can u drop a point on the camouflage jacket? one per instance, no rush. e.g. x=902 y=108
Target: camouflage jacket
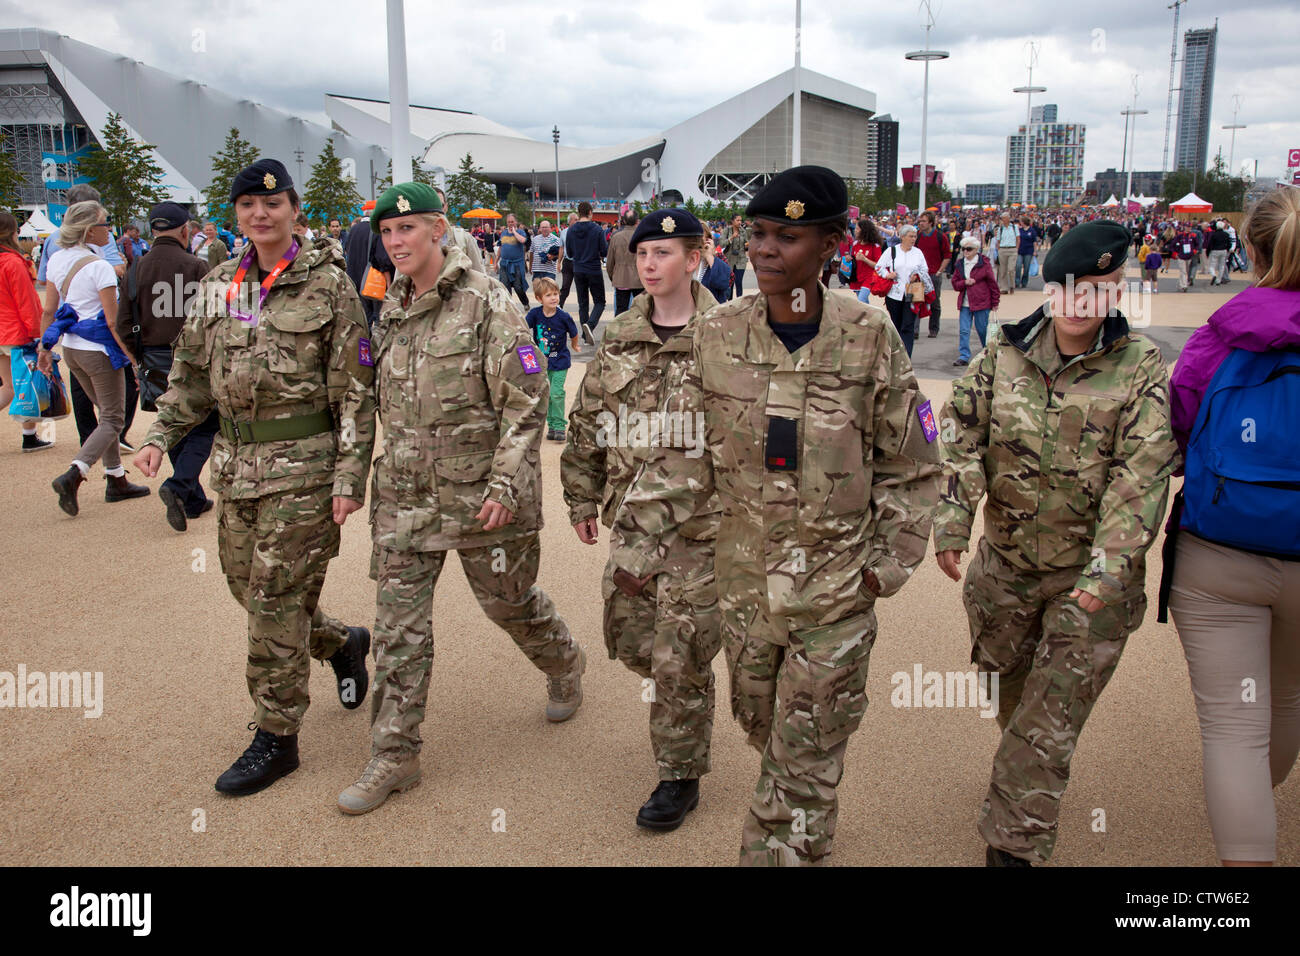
x=793 y=545
x=670 y=501
x=622 y=387
x=1075 y=457
x=462 y=394
x=306 y=352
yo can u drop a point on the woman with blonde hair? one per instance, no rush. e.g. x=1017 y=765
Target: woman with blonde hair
x=81 y=310
x=462 y=394
x=1232 y=555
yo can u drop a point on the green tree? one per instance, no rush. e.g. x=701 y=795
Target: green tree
x=328 y=195
x=235 y=154
x=124 y=172
x=418 y=175
x=11 y=180
x=517 y=203
x=1226 y=193
x=468 y=188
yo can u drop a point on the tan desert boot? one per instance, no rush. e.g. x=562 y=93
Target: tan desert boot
x=384 y=774
x=565 y=692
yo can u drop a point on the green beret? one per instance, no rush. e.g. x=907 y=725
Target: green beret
x=801 y=196
x=404 y=199
x=1095 y=248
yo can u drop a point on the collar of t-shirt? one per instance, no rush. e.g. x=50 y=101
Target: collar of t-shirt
x=665 y=332
x=795 y=335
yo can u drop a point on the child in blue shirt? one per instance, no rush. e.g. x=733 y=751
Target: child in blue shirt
x=552 y=329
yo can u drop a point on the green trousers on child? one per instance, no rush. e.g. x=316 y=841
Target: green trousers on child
x=555 y=414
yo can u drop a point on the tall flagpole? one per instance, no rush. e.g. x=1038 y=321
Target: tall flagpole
x=797 y=131
x=399 y=99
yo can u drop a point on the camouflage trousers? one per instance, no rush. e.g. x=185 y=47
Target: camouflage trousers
x=669 y=634
x=502 y=578
x=1053 y=660
x=274 y=552
x=798 y=704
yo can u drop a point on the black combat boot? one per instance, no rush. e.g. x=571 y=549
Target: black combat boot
x=669 y=804
x=119 y=489
x=175 y=510
x=268 y=758
x=66 y=486
x=349 y=663
x=996 y=857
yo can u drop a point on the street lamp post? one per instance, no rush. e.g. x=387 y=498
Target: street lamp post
x=1128 y=183
x=1031 y=57
x=1234 y=126
x=1128 y=165
x=555 y=138
x=925 y=56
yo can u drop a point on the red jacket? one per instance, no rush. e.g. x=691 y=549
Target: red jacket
x=20 y=306
x=982 y=285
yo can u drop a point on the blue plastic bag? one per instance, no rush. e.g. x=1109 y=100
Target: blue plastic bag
x=31 y=387
x=1033 y=267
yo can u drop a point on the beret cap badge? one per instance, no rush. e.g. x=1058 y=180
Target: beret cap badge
x=268 y=181
x=1104 y=260
x=668 y=225
x=403 y=204
x=793 y=209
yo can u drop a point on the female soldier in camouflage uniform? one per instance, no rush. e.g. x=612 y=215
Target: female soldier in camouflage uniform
x=462 y=395
x=284 y=364
x=1063 y=423
x=824 y=459
x=634 y=429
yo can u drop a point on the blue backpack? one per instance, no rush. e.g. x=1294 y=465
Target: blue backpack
x=1242 y=485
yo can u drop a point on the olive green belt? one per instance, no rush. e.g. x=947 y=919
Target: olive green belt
x=278 y=429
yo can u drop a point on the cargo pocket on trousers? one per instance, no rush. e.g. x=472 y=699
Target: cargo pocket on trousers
x=837 y=656
x=701 y=595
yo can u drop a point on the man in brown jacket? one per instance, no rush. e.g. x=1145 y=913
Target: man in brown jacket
x=621 y=265
x=165 y=279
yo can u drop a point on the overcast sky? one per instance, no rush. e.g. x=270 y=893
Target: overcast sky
x=611 y=70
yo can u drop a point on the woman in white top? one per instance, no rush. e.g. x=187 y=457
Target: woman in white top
x=76 y=275
x=904 y=263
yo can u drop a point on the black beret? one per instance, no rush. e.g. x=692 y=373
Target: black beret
x=404 y=199
x=168 y=215
x=665 y=224
x=1095 y=248
x=266 y=177
x=801 y=196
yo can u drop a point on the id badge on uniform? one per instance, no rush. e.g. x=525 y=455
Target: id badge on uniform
x=782 y=450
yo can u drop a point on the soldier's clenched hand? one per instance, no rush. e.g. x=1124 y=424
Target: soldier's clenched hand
x=494 y=515
x=344 y=507
x=949 y=563
x=588 y=530
x=628 y=584
x=1086 y=601
x=149 y=459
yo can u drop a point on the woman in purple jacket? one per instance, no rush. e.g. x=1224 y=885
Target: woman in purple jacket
x=1238 y=611
x=976 y=283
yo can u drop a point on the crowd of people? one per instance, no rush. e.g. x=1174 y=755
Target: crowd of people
x=766 y=466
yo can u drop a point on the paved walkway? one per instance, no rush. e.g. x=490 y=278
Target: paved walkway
x=116 y=591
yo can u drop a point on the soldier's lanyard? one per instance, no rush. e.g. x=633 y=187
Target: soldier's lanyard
x=269 y=281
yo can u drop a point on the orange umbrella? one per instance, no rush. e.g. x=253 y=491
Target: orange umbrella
x=481 y=214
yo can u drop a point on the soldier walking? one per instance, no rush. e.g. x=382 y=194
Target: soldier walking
x=275 y=343
x=634 y=430
x=823 y=455
x=462 y=397
x=1064 y=425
